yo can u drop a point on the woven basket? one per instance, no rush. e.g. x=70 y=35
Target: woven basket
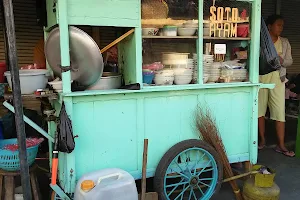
x=154 y=9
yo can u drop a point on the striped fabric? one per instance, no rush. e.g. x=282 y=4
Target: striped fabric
x=268 y=50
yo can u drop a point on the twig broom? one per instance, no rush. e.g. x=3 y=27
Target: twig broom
x=208 y=131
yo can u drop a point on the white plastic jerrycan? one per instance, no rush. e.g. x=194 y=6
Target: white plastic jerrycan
x=107 y=184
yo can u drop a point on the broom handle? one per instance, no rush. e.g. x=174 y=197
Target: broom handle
x=236 y=190
x=239 y=176
x=117 y=41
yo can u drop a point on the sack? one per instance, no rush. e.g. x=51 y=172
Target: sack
x=66 y=141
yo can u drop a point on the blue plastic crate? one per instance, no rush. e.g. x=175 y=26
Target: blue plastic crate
x=9 y=160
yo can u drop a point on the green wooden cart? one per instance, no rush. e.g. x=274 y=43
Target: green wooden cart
x=112 y=124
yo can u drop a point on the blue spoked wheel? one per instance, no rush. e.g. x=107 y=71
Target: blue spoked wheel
x=189 y=170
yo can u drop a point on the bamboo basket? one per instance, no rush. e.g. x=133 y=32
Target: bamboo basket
x=154 y=9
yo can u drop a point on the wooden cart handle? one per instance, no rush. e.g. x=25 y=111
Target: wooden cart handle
x=144 y=169
x=117 y=41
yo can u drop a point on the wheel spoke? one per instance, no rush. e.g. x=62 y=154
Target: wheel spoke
x=204 y=184
x=176 y=184
x=191 y=192
x=204 y=168
x=181 y=194
x=176 y=176
x=200 y=190
x=182 y=175
x=181 y=170
x=194 y=195
x=186 y=163
x=174 y=188
x=206 y=179
x=207 y=170
x=195 y=170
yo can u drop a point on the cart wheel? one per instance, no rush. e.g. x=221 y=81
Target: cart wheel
x=192 y=169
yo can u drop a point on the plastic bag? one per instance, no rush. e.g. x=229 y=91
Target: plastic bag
x=66 y=141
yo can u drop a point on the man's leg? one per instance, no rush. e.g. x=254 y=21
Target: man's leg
x=261 y=131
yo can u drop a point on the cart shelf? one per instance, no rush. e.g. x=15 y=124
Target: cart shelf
x=159 y=23
x=147 y=89
x=170 y=37
x=226 y=38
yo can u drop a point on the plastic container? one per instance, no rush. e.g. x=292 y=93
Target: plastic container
x=9 y=160
x=148 y=78
x=170 y=31
x=30 y=80
x=186 y=31
x=107 y=184
x=2 y=70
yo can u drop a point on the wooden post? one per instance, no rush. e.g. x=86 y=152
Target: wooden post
x=96 y=34
x=17 y=98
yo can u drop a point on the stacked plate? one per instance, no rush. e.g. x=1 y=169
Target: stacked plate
x=207 y=63
x=195 y=74
x=214 y=72
x=235 y=75
x=239 y=75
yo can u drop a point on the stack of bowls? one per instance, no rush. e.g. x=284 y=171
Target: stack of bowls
x=239 y=75
x=215 y=72
x=184 y=73
x=164 y=77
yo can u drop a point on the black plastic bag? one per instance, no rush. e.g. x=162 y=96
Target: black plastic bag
x=66 y=141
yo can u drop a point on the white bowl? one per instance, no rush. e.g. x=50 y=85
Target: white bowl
x=186 y=31
x=164 y=80
x=30 y=80
x=183 y=79
x=180 y=71
x=149 y=31
x=57 y=85
x=165 y=72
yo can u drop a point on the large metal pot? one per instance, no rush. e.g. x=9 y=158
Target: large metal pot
x=108 y=81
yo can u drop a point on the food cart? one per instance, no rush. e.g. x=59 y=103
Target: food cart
x=110 y=125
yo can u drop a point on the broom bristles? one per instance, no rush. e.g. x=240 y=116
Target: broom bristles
x=209 y=132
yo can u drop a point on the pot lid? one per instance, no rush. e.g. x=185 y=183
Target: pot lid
x=86 y=58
